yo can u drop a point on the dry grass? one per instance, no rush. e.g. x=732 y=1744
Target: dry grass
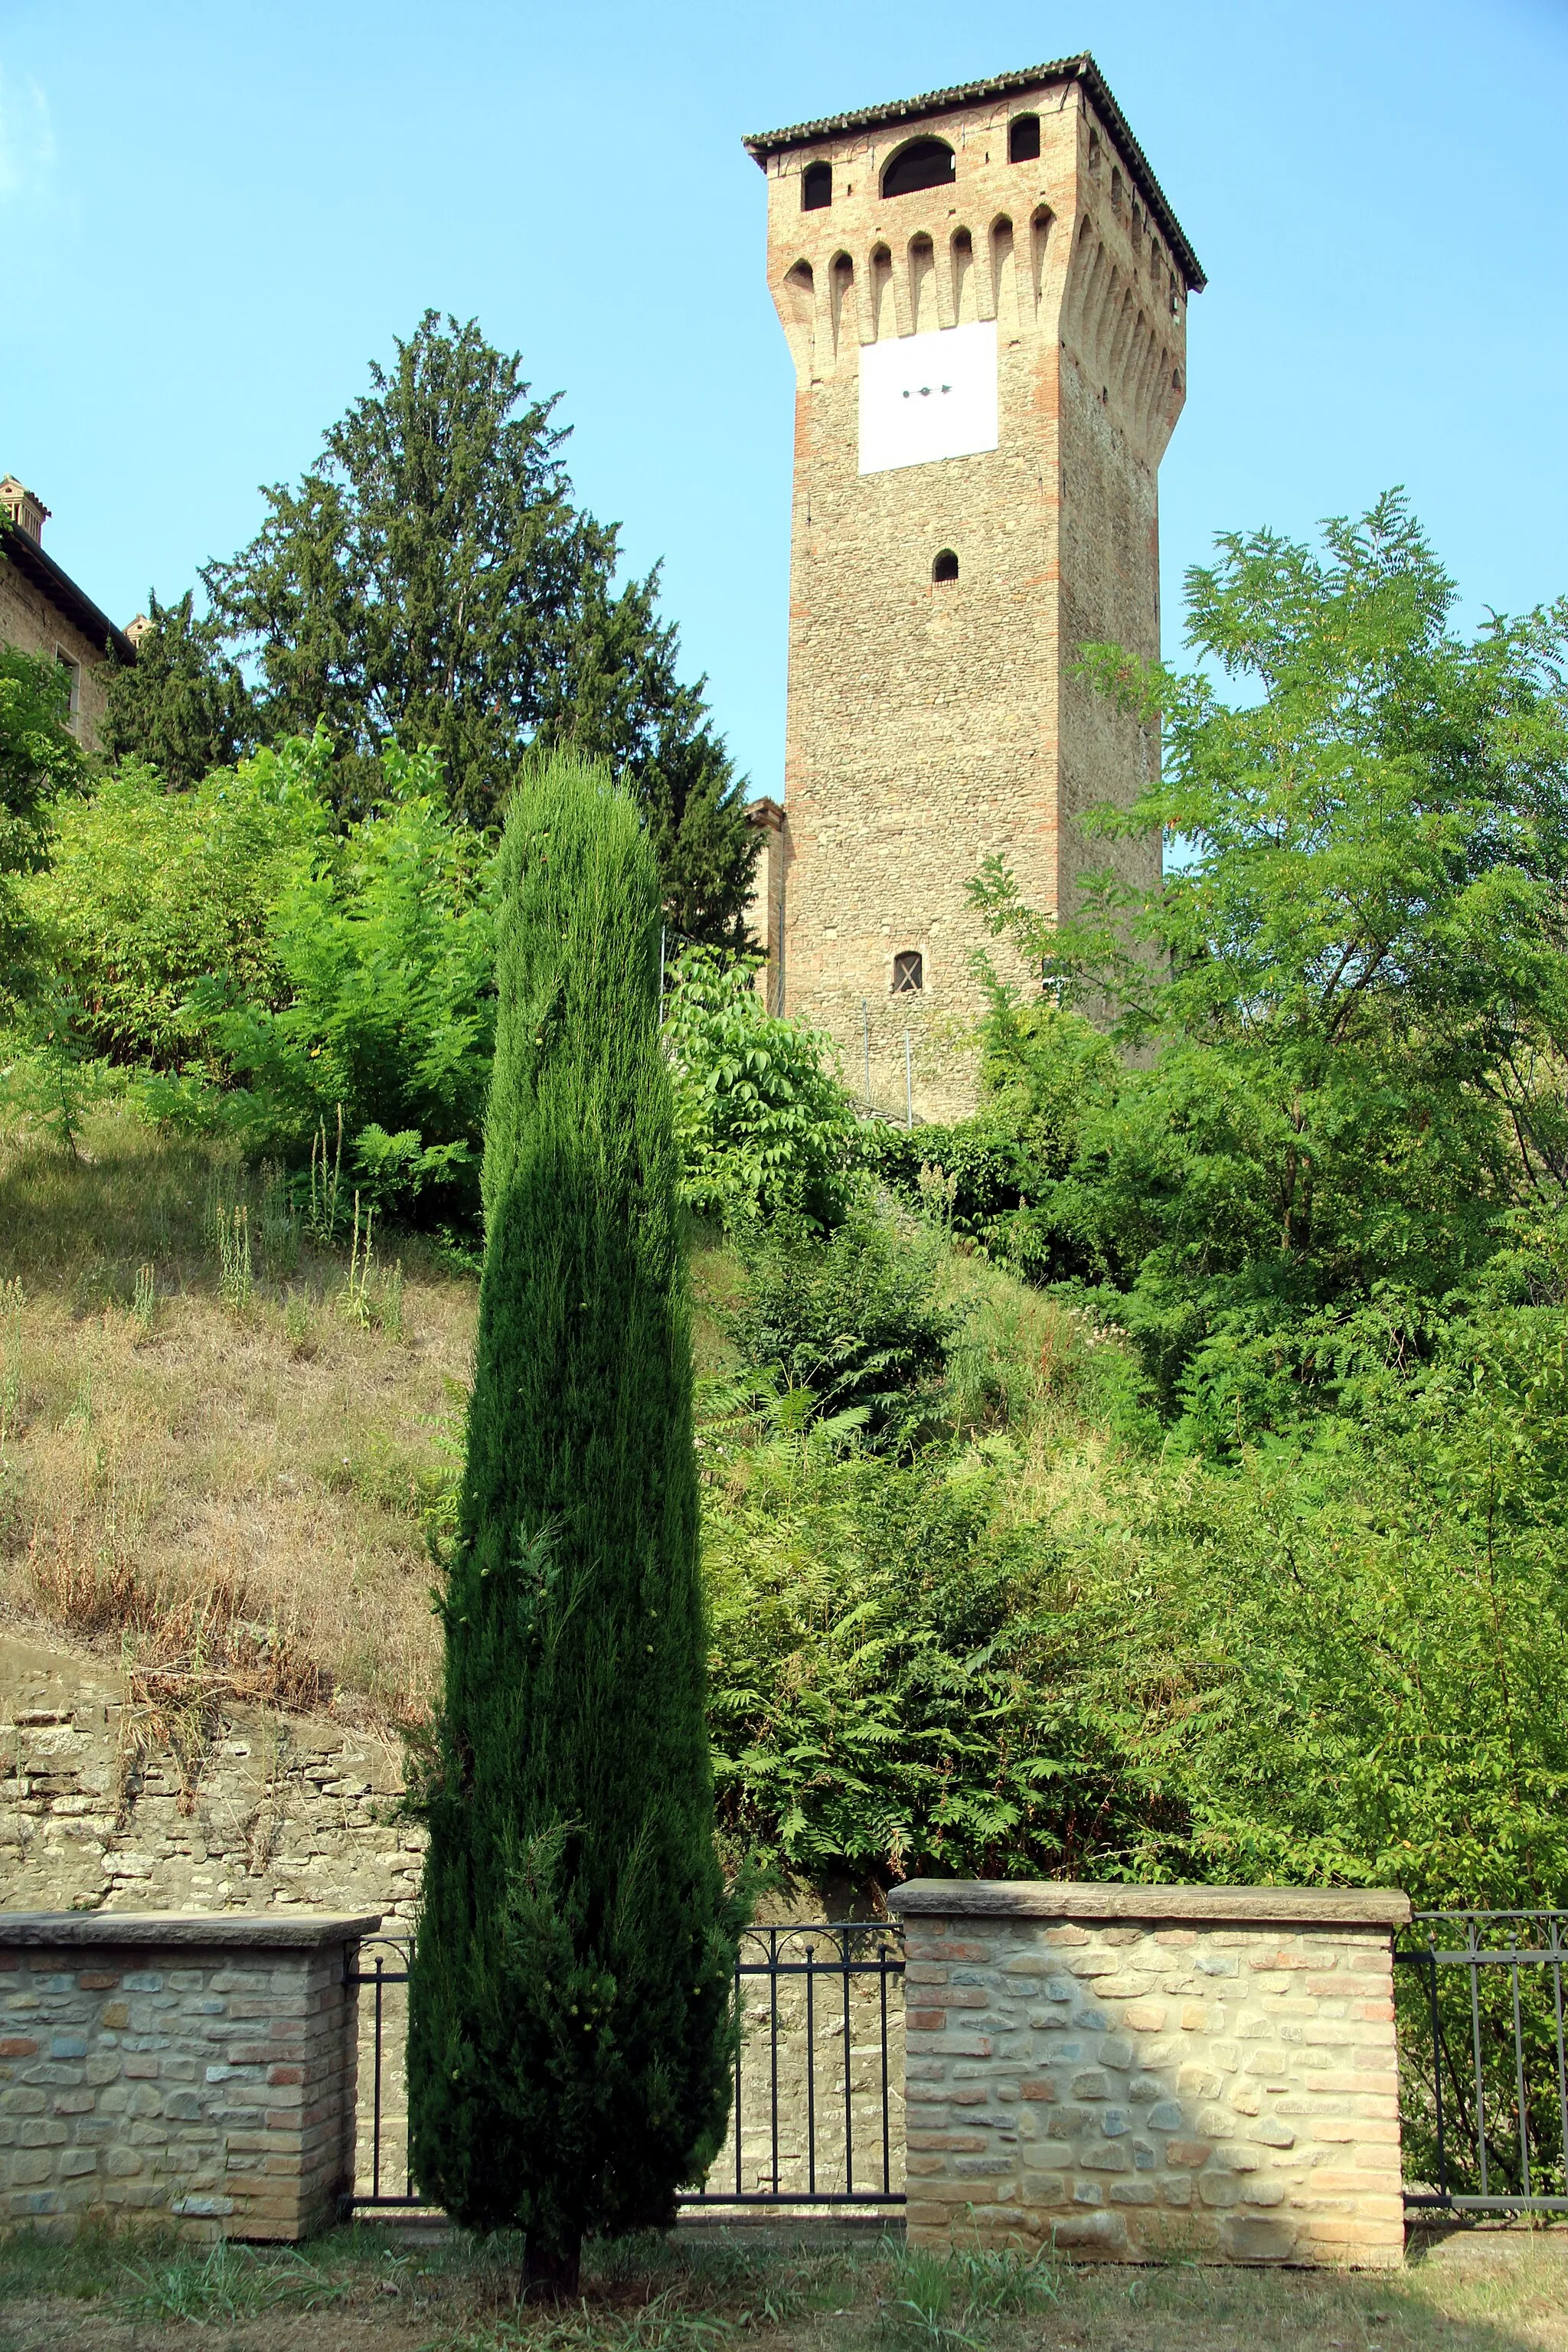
x=233 y=1490
x=394 y=2292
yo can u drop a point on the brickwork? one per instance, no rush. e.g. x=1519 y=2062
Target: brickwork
x=197 y=2071
x=932 y=724
x=34 y=625
x=1141 y=2071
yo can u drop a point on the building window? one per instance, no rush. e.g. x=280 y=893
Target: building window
x=923 y=163
x=1023 y=139
x=73 y=687
x=816 y=187
x=909 y=973
x=945 y=568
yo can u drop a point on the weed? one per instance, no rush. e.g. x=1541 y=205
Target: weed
x=389 y=1304
x=229 y=2281
x=11 y=1303
x=298 y=1326
x=234 y=1276
x=356 y=1286
x=943 y=2299
x=142 y=1301
x=326 y=1180
x=278 y=1224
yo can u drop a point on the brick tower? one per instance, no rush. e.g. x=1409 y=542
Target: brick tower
x=985 y=292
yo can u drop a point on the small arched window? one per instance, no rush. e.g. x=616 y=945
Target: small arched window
x=816 y=187
x=909 y=973
x=1023 y=139
x=945 y=568
x=923 y=163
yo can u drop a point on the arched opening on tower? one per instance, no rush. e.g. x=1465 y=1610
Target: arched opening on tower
x=945 y=568
x=909 y=973
x=1023 y=139
x=816 y=187
x=923 y=163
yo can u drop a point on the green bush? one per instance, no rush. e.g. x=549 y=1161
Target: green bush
x=856 y=1320
x=267 y=970
x=763 y=1123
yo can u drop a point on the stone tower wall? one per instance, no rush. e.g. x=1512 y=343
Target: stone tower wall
x=930 y=726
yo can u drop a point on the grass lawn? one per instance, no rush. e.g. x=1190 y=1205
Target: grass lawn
x=366 y=2290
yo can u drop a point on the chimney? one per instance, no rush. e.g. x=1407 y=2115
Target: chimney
x=26 y=509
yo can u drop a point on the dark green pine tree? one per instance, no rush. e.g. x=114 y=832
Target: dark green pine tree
x=570 y=2037
x=184 y=707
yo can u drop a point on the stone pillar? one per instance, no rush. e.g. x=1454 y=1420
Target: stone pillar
x=1139 y=2072
x=176 y=2067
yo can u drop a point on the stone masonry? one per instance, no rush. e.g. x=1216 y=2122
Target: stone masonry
x=934 y=721
x=198 y=2071
x=1141 y=2071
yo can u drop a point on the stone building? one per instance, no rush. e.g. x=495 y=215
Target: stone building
x=985 y=292
x=43 y=613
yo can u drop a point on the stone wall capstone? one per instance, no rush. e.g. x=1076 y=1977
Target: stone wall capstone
x=1138 y=2071
x=169 y=2068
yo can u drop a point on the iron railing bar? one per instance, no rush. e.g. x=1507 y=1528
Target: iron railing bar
x=886 y=2173
x=739 y=2043
x=1480 y=2087
x=774 y=2081
x=848 y=2092
x=375 y=2111
x=1562 y=2070
x=1523 y=2104
x=810 y=2078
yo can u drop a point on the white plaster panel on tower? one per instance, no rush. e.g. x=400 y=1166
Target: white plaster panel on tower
x=924 y=397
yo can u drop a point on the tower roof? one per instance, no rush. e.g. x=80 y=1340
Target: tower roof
x=763 y=144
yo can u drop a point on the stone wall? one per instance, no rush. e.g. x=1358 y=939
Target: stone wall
x=266 y=1812
x=198 y=2071
x=1138 y=2071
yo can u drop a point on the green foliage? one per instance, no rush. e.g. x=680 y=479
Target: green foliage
x=430 y=584
x=1351 y=998
x=856 y=1323
x=40 y=760
x=905 y=1681
x=274 y=972
x=570 y=2034
x=150 y=895
x=183 y=707
x=763 y=1123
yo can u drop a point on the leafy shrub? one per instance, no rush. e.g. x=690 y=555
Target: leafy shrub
x=150 y=893
x=856 y=1319
x=904 y=1681
x=268 y=969
x=762 y=1122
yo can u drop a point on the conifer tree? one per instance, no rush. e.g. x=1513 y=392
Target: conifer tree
x=570 y=2037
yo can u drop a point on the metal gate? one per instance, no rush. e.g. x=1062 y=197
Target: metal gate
x=817 y=2105
x=1483 y=2081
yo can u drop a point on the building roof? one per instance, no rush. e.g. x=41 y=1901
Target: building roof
x=62 y=592
x=763 y=144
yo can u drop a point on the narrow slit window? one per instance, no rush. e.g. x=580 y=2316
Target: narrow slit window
x=945 y=567
x=909 y=973
x=816 y=187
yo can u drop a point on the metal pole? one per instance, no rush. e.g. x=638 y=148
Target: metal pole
x=908 y=1084
x=866 y=1034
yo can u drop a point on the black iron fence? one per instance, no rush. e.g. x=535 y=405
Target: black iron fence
x=818 y=2108
x=1483 y=2081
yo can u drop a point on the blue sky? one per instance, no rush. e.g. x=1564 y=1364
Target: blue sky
x=211 y=216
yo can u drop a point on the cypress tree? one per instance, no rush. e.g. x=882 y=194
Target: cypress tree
x=570 y=2037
